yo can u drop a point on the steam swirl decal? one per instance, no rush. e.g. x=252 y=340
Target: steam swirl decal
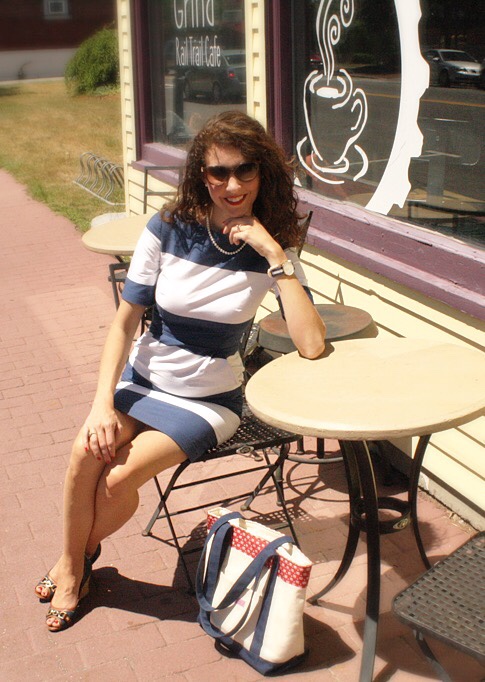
x=344 y=105
x=336 y=111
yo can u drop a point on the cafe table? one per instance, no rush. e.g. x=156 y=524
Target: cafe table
x=341 y=321
x=372 y=389
x=116 y=237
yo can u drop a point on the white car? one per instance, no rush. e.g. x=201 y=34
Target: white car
x=453 y=67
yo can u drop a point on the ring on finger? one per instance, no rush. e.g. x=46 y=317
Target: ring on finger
x=92 y=433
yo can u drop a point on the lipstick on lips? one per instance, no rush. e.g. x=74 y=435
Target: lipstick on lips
x=235 y=201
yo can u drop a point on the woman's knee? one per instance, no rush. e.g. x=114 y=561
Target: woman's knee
x=140 y=460
x=82 y=463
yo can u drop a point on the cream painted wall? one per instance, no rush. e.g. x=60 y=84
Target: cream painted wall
x=455 y=458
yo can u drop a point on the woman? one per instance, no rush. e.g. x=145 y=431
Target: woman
x=206 y=264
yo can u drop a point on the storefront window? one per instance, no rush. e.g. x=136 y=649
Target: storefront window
x=388 y=99
x=197 y=64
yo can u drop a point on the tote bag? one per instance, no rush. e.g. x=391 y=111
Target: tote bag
x=251 y=586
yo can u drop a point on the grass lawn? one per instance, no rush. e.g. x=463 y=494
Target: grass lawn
x=43 y=132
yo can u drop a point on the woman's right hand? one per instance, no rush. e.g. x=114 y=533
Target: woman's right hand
x=100 y=432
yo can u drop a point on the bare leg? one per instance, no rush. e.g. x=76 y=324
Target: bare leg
x=117 y=493
x=100 y=498
x=81 y=481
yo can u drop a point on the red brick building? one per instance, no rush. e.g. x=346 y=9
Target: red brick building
x=38 y=37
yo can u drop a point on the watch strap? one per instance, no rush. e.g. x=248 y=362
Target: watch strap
x=278 y=270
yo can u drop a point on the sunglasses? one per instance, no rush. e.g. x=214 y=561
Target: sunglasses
x=244 y=172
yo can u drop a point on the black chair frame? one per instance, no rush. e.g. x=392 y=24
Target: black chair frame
x=251 y=438
x=175 y=171
x=117 y=277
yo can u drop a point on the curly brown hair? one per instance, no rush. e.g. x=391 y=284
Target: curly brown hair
x=276 y=203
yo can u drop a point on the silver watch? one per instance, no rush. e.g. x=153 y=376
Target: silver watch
x=285 y=268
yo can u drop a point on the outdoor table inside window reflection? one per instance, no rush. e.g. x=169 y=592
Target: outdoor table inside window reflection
x=372 y=389
x=117 y=237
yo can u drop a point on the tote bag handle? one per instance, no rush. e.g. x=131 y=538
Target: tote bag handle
x=205 y=588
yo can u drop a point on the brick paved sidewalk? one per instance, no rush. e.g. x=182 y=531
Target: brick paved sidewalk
x=138 y=623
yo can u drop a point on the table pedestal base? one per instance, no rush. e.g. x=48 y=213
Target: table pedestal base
x=364 y=517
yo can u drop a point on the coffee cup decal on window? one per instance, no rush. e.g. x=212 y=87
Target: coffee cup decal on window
x=337 y=145
x=335 y=110
x=344 y=110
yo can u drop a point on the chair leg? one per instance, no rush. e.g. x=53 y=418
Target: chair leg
x=275 y=471
x=431 y=658
x=180 y=552
x=158 y=511
x=278 y=481
x=162 y=511
x=157 y=514
x=300 y=456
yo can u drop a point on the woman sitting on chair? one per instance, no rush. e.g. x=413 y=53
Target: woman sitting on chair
x=205 y=263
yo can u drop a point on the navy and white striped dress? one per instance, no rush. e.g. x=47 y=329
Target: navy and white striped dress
x=184 y=374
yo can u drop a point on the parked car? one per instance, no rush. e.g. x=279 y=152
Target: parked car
x=316 y=61
x=452 y=67
x=227 y=81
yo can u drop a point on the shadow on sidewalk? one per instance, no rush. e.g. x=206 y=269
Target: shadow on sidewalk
x=112 y=590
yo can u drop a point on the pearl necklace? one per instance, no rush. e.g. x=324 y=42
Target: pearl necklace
x=215 y=244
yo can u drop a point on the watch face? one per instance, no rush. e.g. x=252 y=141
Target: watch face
x=288 y=268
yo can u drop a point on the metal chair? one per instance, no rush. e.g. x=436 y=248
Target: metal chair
x=252 y=437
x=267 y=445
x=117 y=277
x=175 y=172
x=447 y=603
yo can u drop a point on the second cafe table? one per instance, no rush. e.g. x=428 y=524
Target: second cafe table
x=116 y=237
x=372 y=389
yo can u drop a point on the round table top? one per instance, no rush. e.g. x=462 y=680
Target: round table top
x=381 y=388
x=117 y=237
x=341 y=321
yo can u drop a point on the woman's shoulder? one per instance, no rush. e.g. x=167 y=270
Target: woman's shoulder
x=164 y=221
x=172 y=232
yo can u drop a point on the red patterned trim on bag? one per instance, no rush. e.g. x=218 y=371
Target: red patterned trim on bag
x=249 y=544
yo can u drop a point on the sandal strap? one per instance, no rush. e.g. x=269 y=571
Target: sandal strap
x=64 y=615
x=47 y=582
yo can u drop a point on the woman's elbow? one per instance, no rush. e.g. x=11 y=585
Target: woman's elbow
x=312 y=354
x=312 y=349
x=310 y=339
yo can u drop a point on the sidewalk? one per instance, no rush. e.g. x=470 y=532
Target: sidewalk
x=138 y=623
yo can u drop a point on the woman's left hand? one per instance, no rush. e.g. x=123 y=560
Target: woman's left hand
x=248 y=229
x=305 y=326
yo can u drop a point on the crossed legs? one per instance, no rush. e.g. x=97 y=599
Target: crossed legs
x=100 y=498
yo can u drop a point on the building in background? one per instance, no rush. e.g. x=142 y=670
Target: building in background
x=38 y=37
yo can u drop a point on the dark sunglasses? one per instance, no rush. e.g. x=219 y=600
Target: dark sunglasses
x=244 y=172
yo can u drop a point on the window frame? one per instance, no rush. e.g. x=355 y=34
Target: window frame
x=444 y=269
x=63 y=14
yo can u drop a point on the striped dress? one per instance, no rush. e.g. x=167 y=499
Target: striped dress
x=184 y=374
